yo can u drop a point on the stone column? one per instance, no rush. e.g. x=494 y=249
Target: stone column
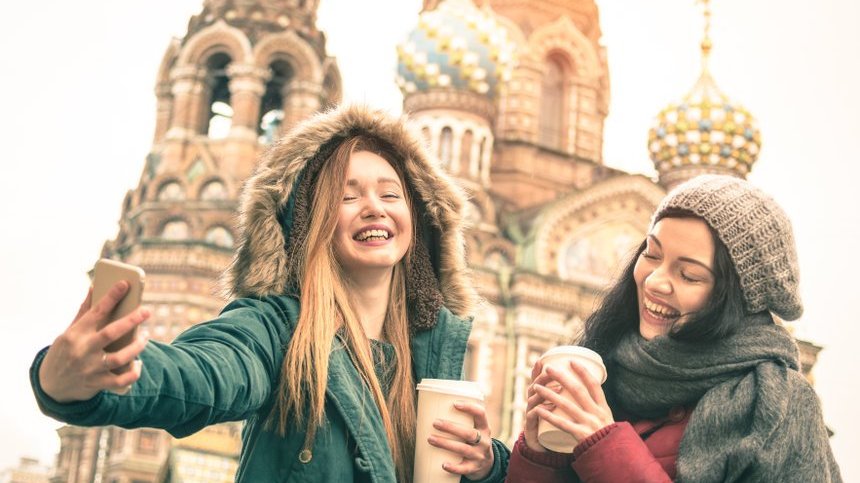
x=163 y=110
x=301 y=100
x=187 y=88
x=247 y=87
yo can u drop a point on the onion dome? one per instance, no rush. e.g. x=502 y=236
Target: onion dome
x=455 y=46
x=704 y=133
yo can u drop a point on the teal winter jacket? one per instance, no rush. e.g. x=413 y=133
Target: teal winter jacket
x=226 y=370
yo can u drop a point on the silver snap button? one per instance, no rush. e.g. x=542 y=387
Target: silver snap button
x=305 y=456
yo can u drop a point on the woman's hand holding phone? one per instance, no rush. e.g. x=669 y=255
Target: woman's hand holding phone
x=76 y=366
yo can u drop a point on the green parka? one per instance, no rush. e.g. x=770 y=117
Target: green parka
x=228 y=369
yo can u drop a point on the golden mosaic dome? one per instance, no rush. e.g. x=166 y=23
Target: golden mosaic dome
x=705 y=132
x=705 y=129
x=457 y=45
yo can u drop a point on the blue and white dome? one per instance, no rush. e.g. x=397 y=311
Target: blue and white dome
x=457 y=46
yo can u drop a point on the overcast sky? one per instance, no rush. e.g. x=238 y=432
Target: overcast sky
x=77 y=82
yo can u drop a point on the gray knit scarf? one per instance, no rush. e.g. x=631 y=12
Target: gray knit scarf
x=756 y=418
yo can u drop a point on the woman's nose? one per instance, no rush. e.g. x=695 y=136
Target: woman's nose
x=658 y=281
x=373 y=208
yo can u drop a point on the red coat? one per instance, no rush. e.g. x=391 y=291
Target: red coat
x=643 y=451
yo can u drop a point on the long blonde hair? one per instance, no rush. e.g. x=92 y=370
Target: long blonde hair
x=327 y=311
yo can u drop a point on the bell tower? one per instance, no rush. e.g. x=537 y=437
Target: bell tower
x=245 y=71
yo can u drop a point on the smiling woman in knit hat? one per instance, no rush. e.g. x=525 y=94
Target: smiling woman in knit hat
x=703 y=385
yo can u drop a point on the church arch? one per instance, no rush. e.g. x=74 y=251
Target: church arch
x=218 y=37
x=289 y=47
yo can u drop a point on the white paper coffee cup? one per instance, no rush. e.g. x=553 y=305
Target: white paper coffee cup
x=436 y=401
x=549 y=436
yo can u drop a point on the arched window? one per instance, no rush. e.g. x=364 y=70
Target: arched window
x=446 y=142
x=472 y=213
x=551 y=123
x=481 y=148
x=272 y=103
x=126 y=205
x=175 y=230
x=213 y=190
x=171 y=191
x=496 y=260
x=466 y=153
x=427 y=136
x=219 y=236
x=220 y=112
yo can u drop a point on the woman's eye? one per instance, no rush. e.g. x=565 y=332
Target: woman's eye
x=349 y=197
x=689 y=279
x=391 y=196
x=649 y=256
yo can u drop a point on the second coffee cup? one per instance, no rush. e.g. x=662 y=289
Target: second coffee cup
x=549 y=436
x=436 y=401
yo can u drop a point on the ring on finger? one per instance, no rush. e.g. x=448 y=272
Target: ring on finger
x=104 y=361
x=477 y=438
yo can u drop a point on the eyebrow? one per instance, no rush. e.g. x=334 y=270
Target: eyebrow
x=683 y=259
x=380 y=180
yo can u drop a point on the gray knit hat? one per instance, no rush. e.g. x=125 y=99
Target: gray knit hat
x=756 y=232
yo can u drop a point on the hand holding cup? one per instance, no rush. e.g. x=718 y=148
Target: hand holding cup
x=569 y=404
x=452 y=437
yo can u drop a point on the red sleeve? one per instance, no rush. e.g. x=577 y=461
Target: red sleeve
x=527 y=466
x=617 y=453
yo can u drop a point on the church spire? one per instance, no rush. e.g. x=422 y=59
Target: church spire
x=705 y=132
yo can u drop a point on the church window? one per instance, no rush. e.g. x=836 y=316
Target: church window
x=551 y=123
x=472 y=213
x=446 y=142
x=469 y=363
x=147 y=442
x=195 y=170
x=220 y=236
x=126 y=205
x=220 y=112
x=272 y=103
x=481 y=148
x=220 y=120
x=597 y=253
x=496 y=260
x=466 y=153
x=213 y=190
x=427 y=136
x=171 y=191
x=118 y=439
x=175 y=230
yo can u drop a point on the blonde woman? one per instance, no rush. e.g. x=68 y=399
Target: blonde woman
x=349 y=286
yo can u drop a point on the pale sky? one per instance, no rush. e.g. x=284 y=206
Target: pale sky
x=79 y=110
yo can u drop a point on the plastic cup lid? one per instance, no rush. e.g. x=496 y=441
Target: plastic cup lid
x=577 y=351
x=467 y=389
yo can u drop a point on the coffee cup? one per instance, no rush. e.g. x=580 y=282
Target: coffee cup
x=436 y=401
x=549 y=436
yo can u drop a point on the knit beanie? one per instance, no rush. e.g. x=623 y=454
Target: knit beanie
x=756 y=232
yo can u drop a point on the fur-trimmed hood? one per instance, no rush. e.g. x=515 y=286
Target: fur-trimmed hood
x=270 y=210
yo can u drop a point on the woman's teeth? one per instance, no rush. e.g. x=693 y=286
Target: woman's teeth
x=372 y=235
x=660 y=311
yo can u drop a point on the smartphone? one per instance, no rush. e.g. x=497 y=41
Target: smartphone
x=105 y=275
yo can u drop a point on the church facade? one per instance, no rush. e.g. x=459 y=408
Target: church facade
x=511 y=98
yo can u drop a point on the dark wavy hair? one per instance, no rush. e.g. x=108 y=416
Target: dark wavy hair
x=618 y=312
